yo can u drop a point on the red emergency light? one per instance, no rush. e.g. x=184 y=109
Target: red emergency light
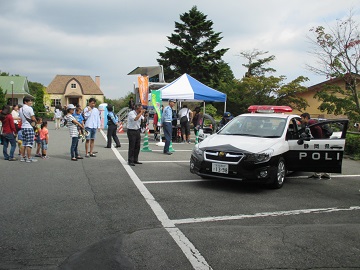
x=269 y=109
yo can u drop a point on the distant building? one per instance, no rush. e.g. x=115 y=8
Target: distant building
x=314 y=104
x=73 y=89
x=16 y=88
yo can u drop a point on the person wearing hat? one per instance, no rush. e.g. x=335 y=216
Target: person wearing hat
x=226 y=119
x=72 y=125
x=167 y=125
x=112 y=126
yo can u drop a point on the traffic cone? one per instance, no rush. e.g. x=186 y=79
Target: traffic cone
x=197 y=137
x=120 y=129
x=171 y=149
x=146 y=141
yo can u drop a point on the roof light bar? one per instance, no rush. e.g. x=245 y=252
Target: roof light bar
x=269 y=109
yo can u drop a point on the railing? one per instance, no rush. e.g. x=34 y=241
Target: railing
x=122 y=115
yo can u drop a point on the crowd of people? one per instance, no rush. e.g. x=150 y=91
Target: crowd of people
x=21 y=127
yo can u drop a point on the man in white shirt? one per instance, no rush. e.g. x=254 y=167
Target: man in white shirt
x=27 y=116
x=185 y=116
x=92 y=122
x=133 y=133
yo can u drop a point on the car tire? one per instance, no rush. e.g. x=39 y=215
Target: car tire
x=279 y=176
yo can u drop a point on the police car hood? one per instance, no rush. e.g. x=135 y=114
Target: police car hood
x=235 y=143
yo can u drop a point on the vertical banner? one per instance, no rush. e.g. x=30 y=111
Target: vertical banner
x=156 y=102
x=143 y=82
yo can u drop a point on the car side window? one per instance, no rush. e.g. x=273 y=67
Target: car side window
x=292 y=132
x=329 y=129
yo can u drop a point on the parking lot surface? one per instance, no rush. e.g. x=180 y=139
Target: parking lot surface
x=100 y=213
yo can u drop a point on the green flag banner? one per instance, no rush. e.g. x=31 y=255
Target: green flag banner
x=156 y=102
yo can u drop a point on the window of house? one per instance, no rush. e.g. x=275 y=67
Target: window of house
x=73 y=85
x=55 y=102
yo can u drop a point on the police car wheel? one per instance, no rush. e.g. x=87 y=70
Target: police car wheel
x=279 y=175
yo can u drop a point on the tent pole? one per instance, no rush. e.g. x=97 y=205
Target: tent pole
x=204 y=106
x=225 y=106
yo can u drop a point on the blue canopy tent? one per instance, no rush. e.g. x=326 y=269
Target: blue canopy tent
x=186 y=88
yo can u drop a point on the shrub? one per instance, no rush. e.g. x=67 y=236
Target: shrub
x=352 y=145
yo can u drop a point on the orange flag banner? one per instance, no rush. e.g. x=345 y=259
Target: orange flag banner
x=143 y=82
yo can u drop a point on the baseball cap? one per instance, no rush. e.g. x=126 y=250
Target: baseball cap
x=227 y=114
x=70 y=106
x=172 y=100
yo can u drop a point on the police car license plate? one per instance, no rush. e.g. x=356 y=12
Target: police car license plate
x=220 y=168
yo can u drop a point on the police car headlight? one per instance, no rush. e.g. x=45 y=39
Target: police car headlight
x=262 y=157
x=197 y=151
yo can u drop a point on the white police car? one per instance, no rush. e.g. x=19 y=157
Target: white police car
x=263 y=146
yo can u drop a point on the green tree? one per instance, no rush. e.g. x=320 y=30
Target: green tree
x=337 y=50
x=119 y=103
x=255 y=65
x=257 y=87
x=4 y=73
x=2 y=98
x=194 y=50
x=39 y=106
x=34 y=87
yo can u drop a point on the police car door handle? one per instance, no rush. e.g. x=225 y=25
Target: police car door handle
x=336 y=147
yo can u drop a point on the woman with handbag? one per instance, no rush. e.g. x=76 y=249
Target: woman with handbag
x=8 y=133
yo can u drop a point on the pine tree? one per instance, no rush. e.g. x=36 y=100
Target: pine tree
x=194 y=42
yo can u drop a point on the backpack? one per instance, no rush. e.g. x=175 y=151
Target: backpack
x=184 y=119
x=327 y=131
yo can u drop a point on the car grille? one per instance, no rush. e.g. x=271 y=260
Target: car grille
x=223 y=157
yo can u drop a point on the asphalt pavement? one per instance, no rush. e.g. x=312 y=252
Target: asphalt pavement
x=100 y=213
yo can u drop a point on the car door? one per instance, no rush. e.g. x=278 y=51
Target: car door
x=317 y=155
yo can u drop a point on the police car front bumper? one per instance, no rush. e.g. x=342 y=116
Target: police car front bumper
x=243 y=171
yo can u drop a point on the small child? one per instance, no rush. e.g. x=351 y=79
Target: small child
x=79 y=117
x=37 y=136
x=44 y=136
x=19 y=141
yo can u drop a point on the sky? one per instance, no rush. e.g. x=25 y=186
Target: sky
x=40 y=39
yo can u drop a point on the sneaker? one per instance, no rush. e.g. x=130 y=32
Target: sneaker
x=12 y=159
x=45 y=157
x=30 y=160
x=183 y=142
x=38 y=155
x=22 y=159
x=188 y=141
x=326 y=176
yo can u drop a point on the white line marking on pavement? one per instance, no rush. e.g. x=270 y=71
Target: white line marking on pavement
x=191 y=253
x=175 y=181
x=264 y=214
x=332 y=176
x=166 y=161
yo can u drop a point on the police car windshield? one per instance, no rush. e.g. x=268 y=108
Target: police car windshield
x=255 y=126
